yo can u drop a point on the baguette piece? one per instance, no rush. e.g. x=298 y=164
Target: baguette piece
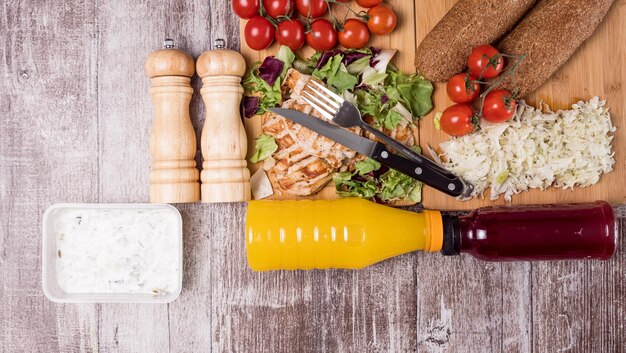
x=549 y=34
x=444 y=51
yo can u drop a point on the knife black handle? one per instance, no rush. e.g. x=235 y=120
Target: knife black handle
x=407 y=152
x=451 y=185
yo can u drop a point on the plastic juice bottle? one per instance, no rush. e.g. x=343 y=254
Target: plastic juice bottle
x=536 y=232
x=345 y=233
x=353 y=233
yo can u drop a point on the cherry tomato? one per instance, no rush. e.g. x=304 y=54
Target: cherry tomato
x=322 y=35
x=278 y=8
x=458 y=120
x=259 y=33
x=462 y=88
x=291 y=34
x=368 y=3
x=382 y=20
x=312 y=8
x=246 y=9
x=481 y=62
x=354 y=35
x=499 y=106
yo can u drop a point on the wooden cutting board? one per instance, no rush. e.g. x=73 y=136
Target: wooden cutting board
x=595 y=69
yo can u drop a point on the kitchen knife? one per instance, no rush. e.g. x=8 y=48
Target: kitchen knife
x=427 y=172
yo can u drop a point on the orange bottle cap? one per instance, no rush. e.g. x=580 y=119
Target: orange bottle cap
x=435 y=226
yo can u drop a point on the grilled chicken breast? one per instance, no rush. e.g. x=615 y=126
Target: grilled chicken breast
x=306 y=161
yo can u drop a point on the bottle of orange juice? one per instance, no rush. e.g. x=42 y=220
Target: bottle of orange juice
x=353 y=233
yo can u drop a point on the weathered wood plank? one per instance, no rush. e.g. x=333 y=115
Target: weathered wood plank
x=579 y=306
x=48 y=141
x=129 y=31
x=188 y=23
x=449 y=290
x=371 y=310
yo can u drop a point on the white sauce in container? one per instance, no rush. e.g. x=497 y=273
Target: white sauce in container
x=123 y=250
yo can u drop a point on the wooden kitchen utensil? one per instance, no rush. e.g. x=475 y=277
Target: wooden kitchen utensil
x=225 y=175
x=174 y=176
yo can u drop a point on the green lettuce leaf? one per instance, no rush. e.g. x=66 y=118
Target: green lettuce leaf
x=370 y=103
x=335 y=75
x=371 y=77
x=329 y=69
x=392 y=119
x=287 y=56
x=437 y=120
x=264 y=147
x=359 y=65
x=254 y=85
x=395 y=185
x=416 y=148
x=303 y=66
x=416 y=193
x=392 y=185
x=366 y=166
x=414 y=92
x=346 y=187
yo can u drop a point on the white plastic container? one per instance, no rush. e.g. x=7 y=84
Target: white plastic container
x=118 y=220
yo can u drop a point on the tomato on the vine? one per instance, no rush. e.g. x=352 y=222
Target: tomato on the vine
x=499 y=106
x=246 y=9
x=259 y=33
x=381 y=20
x=463 y=88
x=485 y=61
x=354 y=34
x=458 y=120
x=368 y=3
x=278 y=8
x=291 y=34
x=312 y=8
x=322 y=35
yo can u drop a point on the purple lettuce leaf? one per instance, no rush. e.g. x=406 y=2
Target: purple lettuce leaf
x=350 y=57
x=375 y=52
x=382 y=170
x=326 y=55
x=270 y=70
x=250 y=106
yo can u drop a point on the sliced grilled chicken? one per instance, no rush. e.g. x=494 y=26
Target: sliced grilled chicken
x=305 y=160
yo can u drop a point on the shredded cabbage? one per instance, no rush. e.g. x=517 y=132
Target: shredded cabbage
x=536 y=149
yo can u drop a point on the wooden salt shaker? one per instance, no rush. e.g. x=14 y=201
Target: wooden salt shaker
x=174 y=176
x=225 y=176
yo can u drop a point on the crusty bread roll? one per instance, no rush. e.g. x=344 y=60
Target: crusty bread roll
x=549 y=34
x=444 y=51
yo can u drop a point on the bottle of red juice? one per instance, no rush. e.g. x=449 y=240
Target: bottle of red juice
x=538 y=232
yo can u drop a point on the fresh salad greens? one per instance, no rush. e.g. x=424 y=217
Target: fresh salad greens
x=364 y=77
x=264 y=147
x=372 y=181
x=263 y=81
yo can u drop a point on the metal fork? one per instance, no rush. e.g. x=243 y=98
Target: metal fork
x=345 y=114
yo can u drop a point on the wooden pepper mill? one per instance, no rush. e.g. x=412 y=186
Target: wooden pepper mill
x=225 y=175
x=174 y=176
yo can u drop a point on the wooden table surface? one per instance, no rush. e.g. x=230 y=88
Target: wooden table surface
x=74 y=128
